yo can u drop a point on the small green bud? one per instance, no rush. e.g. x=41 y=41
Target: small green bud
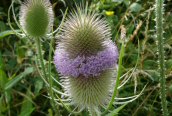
x=36 y=17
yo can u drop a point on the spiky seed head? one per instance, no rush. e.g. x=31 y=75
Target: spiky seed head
x=86 y=58
x=90 y=92
x=36 y=17
x=84 y=33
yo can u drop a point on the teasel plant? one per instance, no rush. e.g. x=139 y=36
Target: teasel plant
x=159 y=12
x=86 y=58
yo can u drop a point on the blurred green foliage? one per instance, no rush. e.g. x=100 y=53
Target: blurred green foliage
x=22 y=92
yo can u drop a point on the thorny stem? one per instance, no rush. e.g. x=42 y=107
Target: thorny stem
x=38 y=43
x=159 y=32
x=49 y=75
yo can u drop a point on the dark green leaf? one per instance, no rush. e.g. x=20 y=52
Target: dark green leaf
x=13 y=82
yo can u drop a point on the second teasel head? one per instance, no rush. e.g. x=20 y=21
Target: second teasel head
x=36 y=17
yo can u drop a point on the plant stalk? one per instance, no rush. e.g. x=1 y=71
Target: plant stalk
x=38 y=43
x=49 y=75
x=39 y=50
x=159 y=33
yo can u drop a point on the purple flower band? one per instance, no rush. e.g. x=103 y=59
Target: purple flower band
x=86 y=66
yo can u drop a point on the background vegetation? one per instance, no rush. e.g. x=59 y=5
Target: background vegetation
x=22 y=91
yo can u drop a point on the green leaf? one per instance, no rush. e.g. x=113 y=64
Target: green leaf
x=27 y=107
x=2 y=26
x=2 y=106
x=5 y=102
x=13 y=82
x=1 y=62
x=20 y=54
x=119 y=1
x=115 y=111
x=3 y=79
x=135 y=7
x=50 y=112
x=7 y=33
x=38 y=85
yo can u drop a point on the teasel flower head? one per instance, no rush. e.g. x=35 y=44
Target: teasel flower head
x=36 y=17
x=86 y=58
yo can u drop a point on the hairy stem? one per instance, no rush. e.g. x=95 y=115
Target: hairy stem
x=49 y=75
x=38 y=43
x=159 y=32
x=39 y=49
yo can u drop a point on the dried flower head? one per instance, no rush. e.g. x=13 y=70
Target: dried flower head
x=36 y=17
x=86 y=58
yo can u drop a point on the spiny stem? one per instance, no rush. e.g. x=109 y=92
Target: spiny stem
x=39 y=49
x=159 y=32
x=49 y=75
x=38 y=43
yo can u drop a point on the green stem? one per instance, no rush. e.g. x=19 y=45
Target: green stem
x=118 y=77
x=38 y=43
x=44 y=70
x=49 y=75
x=159 y=32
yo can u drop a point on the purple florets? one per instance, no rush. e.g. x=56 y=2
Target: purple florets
x=86 y=66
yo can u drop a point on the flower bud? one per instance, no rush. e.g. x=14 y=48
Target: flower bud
x=36 y=17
